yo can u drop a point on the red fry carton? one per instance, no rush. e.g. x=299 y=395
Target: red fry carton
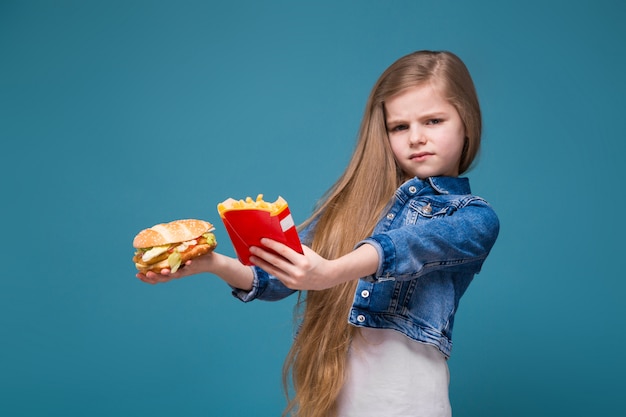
x=248 y=221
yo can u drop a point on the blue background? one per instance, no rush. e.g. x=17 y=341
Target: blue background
x=118 y=115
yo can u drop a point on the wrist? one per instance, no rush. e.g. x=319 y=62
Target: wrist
x=230 y=270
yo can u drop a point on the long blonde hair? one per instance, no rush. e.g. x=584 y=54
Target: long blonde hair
x=348 y=213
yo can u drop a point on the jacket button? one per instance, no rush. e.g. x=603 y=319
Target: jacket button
x=390 y=216
x=428 y=209
x=360 y=318
x=365 y=293
x=412 y=189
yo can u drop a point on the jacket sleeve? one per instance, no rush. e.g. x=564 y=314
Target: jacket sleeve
x=264 y=287
x=460 y=239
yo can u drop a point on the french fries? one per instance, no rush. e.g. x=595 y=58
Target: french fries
x=249 y=204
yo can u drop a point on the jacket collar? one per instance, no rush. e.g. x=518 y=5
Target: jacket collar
x=441 y=185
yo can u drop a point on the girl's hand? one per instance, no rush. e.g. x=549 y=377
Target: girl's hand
x=308 y=271
x=190 y=267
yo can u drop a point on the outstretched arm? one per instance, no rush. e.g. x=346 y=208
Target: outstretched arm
x=310 y=271
x=228 y=269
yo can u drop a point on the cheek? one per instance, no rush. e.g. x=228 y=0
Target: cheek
x=455 y=146
x=458 y=149
x=457 y=137
x=395 y=146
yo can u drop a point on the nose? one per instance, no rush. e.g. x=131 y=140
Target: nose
x=416 y=137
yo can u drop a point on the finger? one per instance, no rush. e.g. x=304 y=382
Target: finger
x=281 y=249
x=273 y=270
x=269 y=261
x=147 y=280
x=143 y=278
x=151 y=277
x=276 y=261
x=264 y=259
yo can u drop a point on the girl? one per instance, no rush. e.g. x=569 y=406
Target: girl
x=390 y=250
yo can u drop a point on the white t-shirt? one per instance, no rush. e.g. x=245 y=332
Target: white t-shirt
x=391 y=375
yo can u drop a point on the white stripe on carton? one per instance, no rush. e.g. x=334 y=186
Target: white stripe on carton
x=287 y=223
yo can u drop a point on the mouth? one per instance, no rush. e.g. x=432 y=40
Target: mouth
x=420 y=156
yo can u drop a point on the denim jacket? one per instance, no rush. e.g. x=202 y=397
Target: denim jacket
x=432 y=239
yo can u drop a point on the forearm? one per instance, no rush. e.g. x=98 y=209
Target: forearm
x=361 y=262
x=230 y=270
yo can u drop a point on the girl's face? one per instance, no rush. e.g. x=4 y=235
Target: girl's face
x=425 y=131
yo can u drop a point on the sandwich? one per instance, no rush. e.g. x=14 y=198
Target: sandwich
x=170 y=245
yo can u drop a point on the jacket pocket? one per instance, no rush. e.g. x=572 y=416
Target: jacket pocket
x=428 y=208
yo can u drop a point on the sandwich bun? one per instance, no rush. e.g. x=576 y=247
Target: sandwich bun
x=173 y=232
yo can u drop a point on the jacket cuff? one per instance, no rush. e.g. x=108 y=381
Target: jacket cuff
x=259 y=283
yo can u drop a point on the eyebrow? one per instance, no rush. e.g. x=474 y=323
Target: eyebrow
x=430 y=115
x=393 y=121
